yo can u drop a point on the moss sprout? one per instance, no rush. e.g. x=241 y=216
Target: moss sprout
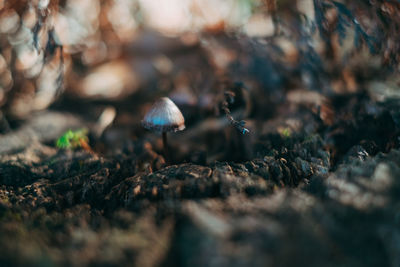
x=74 y=139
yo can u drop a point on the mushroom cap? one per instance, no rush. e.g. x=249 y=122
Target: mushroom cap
x=164 y=116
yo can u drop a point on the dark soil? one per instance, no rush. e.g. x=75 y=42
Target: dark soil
x=326 y=194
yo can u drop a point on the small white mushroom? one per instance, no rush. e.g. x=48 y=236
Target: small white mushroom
x=164 y=116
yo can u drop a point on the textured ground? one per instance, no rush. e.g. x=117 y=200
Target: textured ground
x=324 y=196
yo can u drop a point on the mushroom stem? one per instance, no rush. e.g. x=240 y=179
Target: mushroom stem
x=165 y=145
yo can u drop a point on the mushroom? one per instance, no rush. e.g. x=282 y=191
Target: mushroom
x=164 y=116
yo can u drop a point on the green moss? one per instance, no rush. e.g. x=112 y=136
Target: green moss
x=72 y=139
x=286 y=133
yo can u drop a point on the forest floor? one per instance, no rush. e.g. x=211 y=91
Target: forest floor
x=323 y=196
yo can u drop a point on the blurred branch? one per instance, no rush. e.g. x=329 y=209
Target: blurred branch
x=229 y=99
